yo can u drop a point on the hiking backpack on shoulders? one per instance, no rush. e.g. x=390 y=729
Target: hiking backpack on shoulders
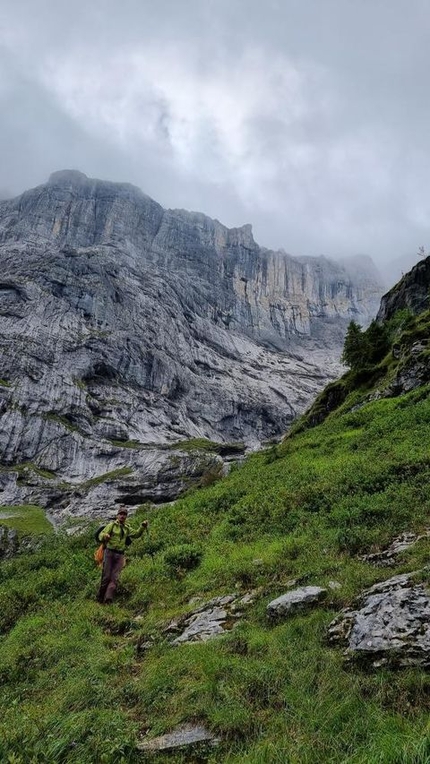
x=98 y=532
x=102 y=527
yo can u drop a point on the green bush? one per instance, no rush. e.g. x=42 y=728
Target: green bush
x=183 y=557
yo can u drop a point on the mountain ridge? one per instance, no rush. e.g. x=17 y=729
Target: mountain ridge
x=125 y=323
x=279 y=614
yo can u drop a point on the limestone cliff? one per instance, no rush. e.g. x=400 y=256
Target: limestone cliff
x=411 y=292
x=125 y=327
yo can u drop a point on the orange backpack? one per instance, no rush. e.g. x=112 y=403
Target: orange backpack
x=99 y=555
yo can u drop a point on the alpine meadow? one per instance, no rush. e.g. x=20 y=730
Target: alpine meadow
x=86 y=683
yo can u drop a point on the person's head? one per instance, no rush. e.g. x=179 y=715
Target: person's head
x=122 y=514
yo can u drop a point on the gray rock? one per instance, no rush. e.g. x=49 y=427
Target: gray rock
x=203 y=626
x=411 y=292
x=410 y=375
x=187 y=736
x=400 y=581
x=210 y=619
x=156 y=476
x=387 y=557
x=76 y=530
x=390 y=626
x=295 y=601
x=124 y=324
x=9 y=542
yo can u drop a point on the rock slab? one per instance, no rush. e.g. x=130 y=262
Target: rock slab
x=292 y=602
x=387 y=557
x=390 y=626
x=186 y=736
x=211 y=619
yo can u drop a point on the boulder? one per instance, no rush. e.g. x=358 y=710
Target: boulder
x=299 y=599
x=389 y=626
x=211 y=619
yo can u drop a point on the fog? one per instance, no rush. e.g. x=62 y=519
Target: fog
x=309 y=119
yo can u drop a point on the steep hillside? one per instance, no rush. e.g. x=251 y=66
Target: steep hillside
x=82 y=682
x=412 y=292
x=126 y=327
x=392 y=356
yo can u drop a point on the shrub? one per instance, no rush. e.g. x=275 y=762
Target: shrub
x=181 y=558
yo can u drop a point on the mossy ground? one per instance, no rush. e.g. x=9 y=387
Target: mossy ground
x=106 y=476
x=27 y=519
x=203 y=444
x=79 y=684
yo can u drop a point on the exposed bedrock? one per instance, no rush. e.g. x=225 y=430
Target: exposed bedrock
x=122 y=323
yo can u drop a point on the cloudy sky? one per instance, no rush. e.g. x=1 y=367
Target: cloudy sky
x=309 y=119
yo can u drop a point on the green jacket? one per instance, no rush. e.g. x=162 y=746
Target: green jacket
x=118 y=534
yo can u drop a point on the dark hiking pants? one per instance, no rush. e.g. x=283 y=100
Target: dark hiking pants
x=113 y=564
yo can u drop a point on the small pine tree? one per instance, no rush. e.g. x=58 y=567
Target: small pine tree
x=353 y=347
x=377 y=342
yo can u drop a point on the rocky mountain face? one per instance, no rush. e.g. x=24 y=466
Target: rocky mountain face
x=412 y=292
x=126 y=327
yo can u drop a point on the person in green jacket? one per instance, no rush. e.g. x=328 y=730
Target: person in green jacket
x=114 y=536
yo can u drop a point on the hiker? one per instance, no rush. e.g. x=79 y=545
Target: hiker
x=115 y=536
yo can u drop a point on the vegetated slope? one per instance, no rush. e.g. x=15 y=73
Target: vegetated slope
x=81 y=683
x=391 y=357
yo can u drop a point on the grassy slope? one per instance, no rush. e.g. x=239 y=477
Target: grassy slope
x=79 y=685
x=27 y=519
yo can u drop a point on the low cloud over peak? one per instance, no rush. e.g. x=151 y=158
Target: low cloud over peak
x=310 y=120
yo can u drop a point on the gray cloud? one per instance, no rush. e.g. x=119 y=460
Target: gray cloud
x=308 y=119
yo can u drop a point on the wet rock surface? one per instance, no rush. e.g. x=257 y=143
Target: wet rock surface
x=389 y=626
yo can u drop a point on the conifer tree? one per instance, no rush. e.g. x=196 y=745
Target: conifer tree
x=377 y=342
x=353 y=347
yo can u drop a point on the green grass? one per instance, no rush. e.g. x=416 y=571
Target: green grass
x=79 y=684
x=28 y=467
x=27 y=519
x=203 y=444
x=64 y=421
x=357 y=384
x=106 y=476
x=127 y=443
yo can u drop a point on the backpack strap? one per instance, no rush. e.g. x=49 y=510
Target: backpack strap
x=109 y=528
